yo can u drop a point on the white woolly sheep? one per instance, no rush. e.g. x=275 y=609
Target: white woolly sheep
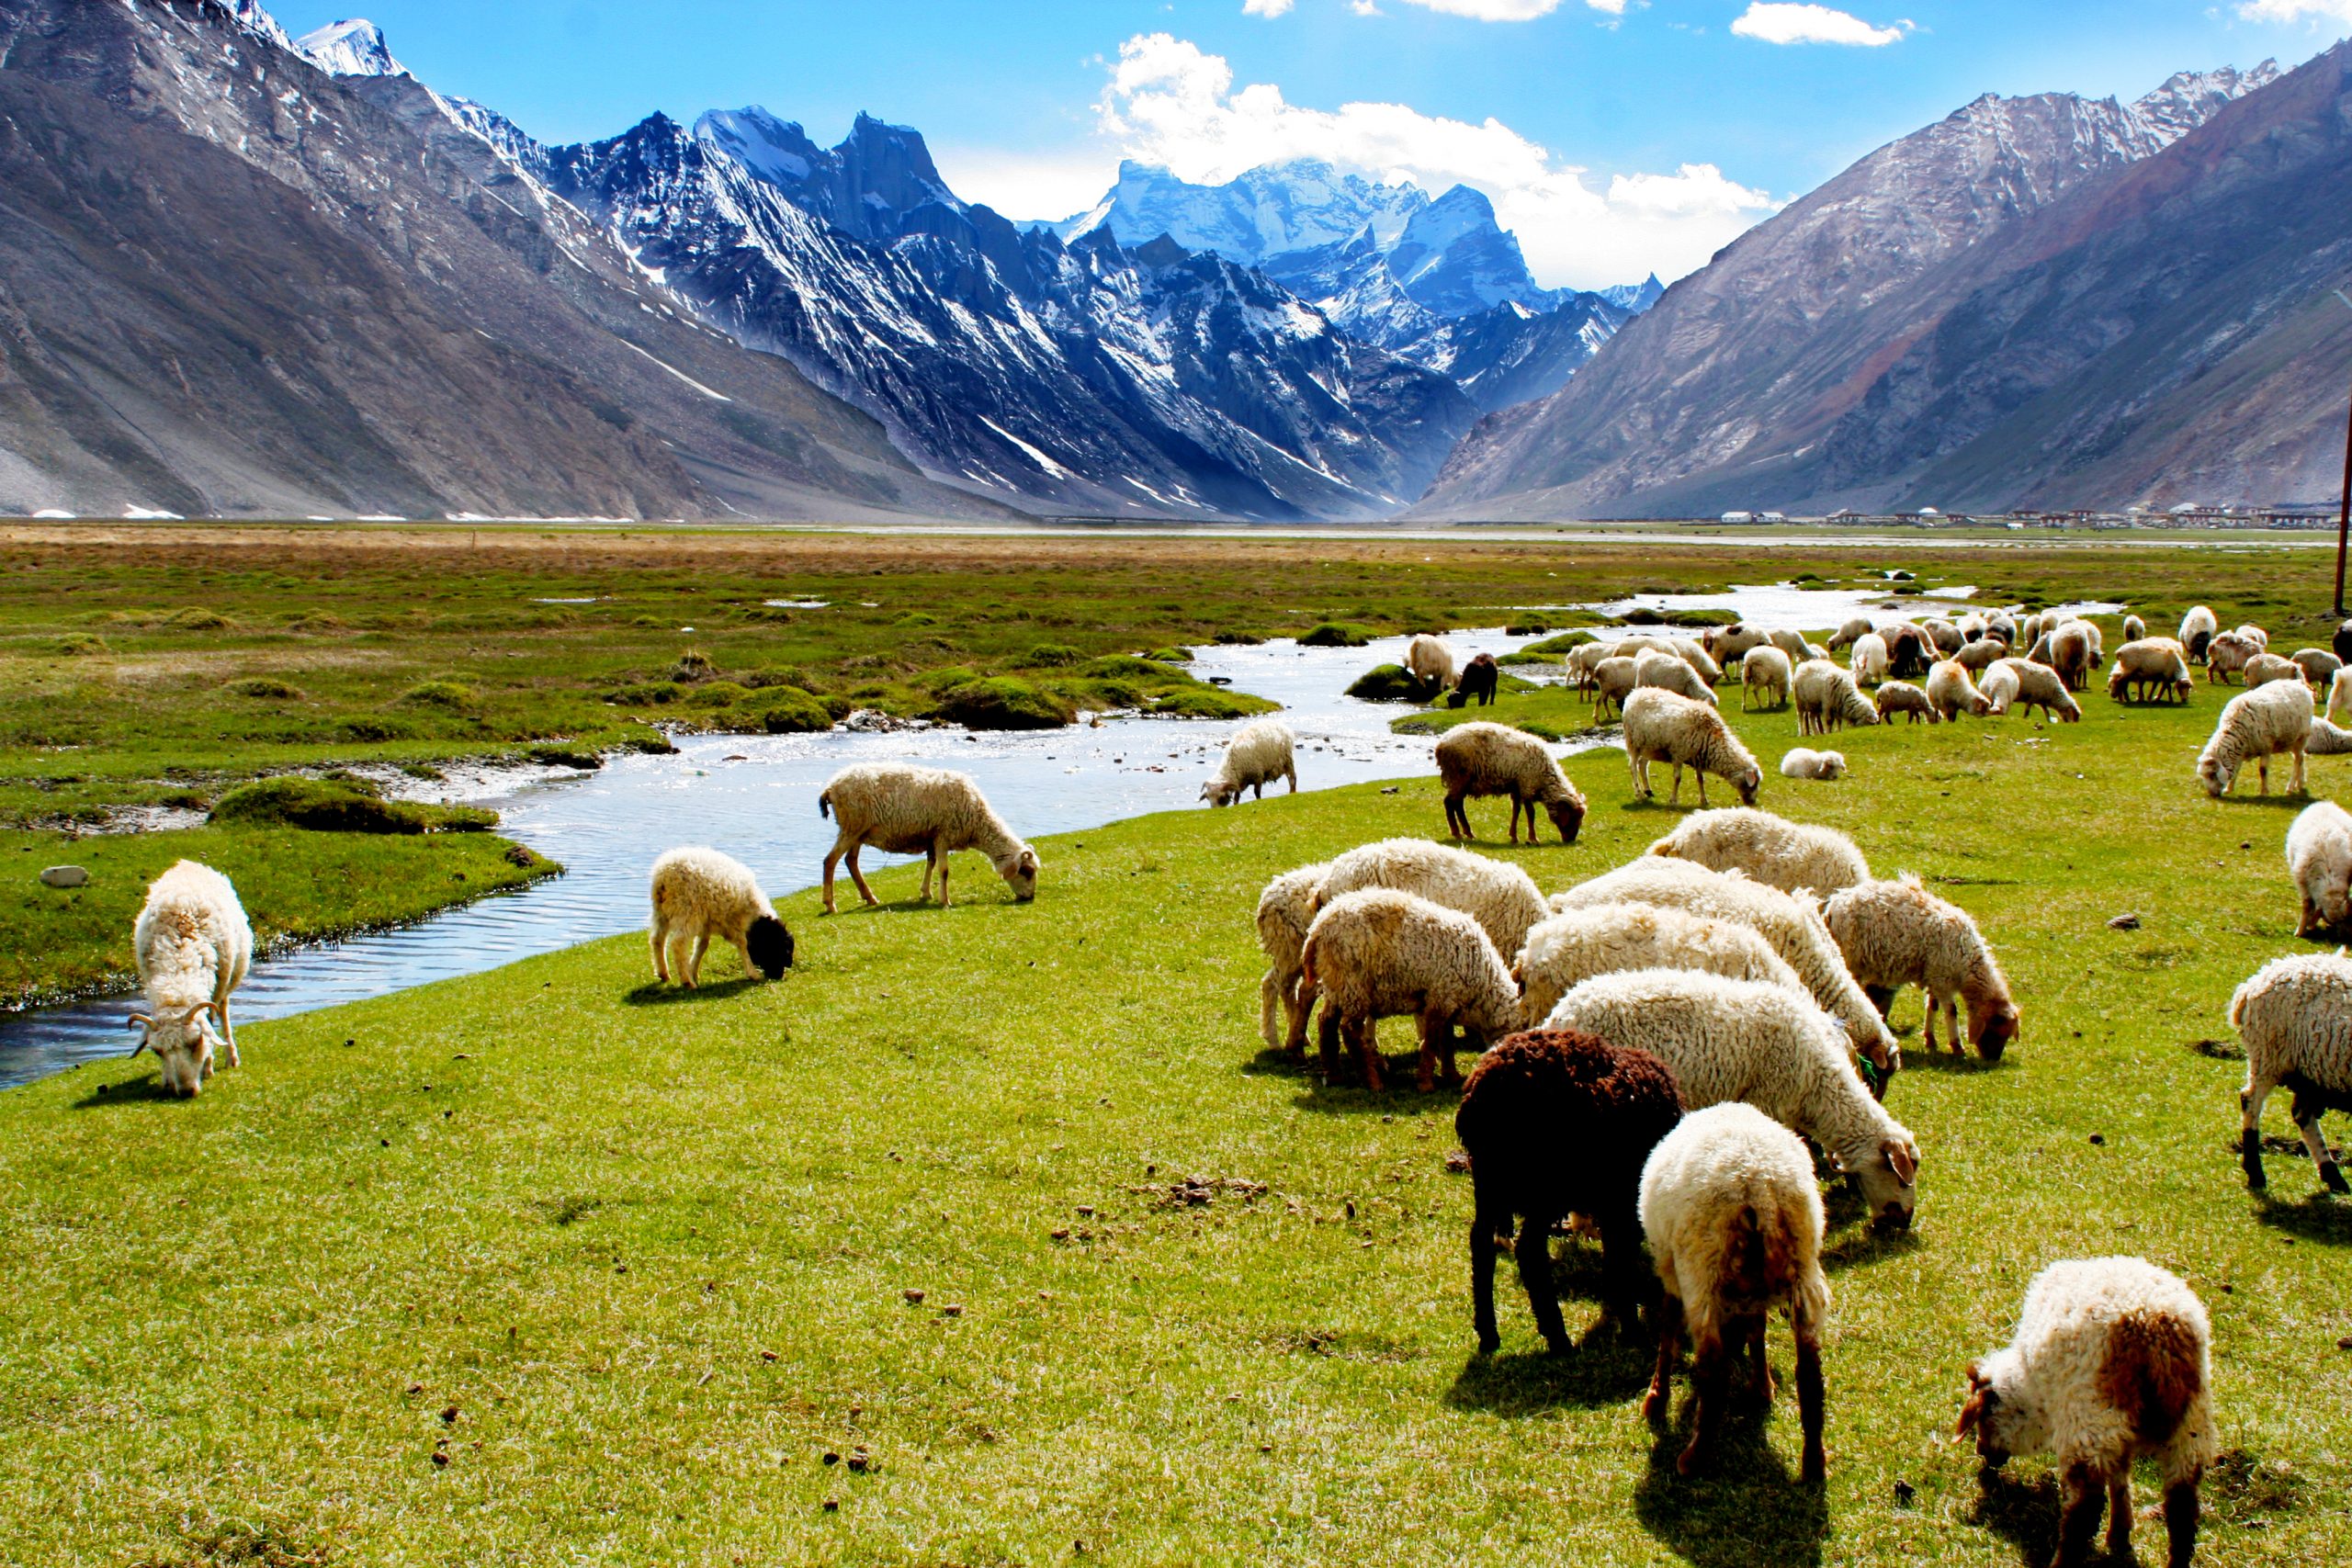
x=1855 y=628
x=1255 y=758
x=1499 y=896
x=2226 y=655
x=193 y=946
x=1380 y=954
x=1771 y=850
x=2197 y=629
x=1702 y=664
x=1903 y=697
x=1746 y=1040
x=1580 y=662
x=2135 y=629
x=2145 y=662
x=1792 y=922
x=2319 y=858
x=2111 y=1363
x=1765 y=669
x=2029 y=630
x=1897 y=933
x=2339 y=697
x=1569 y=948
x=699 y=894
x=1943 y=636
x=1981 y=652
x=1428 y=661
x=1999 y=687
x=2038 y=686
x=2318 y=665
x=1790 y=643
x=1950 y=691
x=2265 y=668
x=1668 y=673
x=1869 y=661
x=2002 y=625
x=1635 y=646
x=2254 y=726
x=2328 y=741
x=1663 y=728
x=2295 y=1016
x=1727 y=645
x=1828 y=699
x=2071 y=654
x=1481 y=759
x=1286 y=910
x=1733 y=1218
x=2254 y=635
x=1613 y=683
x=1972 y=626
x=1803 y=762
x=902 y=809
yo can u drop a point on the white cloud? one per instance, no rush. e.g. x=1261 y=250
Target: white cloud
x=1169 y=103
x=1026 y=186
x=1775 y=22
x=1493 y=10
x=2296 y=10
x=1265 y=8
x=1364 y=7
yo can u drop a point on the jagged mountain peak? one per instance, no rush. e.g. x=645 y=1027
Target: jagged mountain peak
x=353 y=48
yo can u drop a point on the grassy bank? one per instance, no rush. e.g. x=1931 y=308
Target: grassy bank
x=545 y=1266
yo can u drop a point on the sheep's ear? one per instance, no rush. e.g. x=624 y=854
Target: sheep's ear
x=1981 y=1399
x=1906 y=1163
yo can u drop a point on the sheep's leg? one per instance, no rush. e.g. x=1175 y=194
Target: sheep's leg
x=1709 y=1373
x=1635 y=766
x=2330 y=1177
x=930 y=864
x=1533 y=1255
x=1951 y=1023
x=2119 y=1514
x=2307 y=922
x=1300 y=1001
x=1669 y=1335
x=1366 y=1031
x=1292 y=773
x=944 y=864
x=1810 y=1399
x=1455 y=816
x=658 y=938
x=1434 y=1028
x=2250 y=1104
x=842 y=843
x=1482 y=1282
x=859 y=877
x=1327 y=1042
x=228 y=1036
x=694 y=959
x=2180 y=1522
x=2262 y=773
x=2078 y=1520
x=1700 y=775
x=1759 y=1362
x=1675 y=796
x=2301 y=786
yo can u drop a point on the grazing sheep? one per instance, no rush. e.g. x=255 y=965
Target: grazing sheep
x=2319 y=857
x=2254 y=635
x=1255 y=758
x=2265 y=668
x=1803 y=762
x=2098 y=642
x=193 y=946
x=1428 y=661
x=1286 y=910
x=1581 y=660
x=2156 y=661
x=1908 y=652
x=1867 y=661
x=1501 y=896
x=2135 y=629
x=1634 y=647
x=1480 y=679
x=902 y=809
x=1944 y=638
x=2197 y=629
x=1972 y=626
x=1480 y=760
x=1569 y=948
x=1790 y=643
x=1666 y=672
x=1734 y=1222
x=2110 y=1363
x=1730 y=1039
x=1765 y=669
x=2318 y=665
x=1380 y=954
x=2295 y=1016
x=2254 y=726
x=2328 y=741
x=1999 y=687
x=1771 y=850
x=2029 y=630
x=1557 y=1123
x=1950 y=691
x=2340 y=643
x=2340 y=696
x=1828 y=699
x=699 y=894
x=1663 y=728
x=1792 y=922
x=1897 y=933
x=1728 y=645
x=2225 y=655
x=1902 y=697
x=1855 y=629
x=1613 y=683
x=2071 y=654
x=2002 y=625
x=1981 y=652
x=1700 y=663
x=2038 y=686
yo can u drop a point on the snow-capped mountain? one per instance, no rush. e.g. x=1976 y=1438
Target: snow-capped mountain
x=349 y=49
x=1270 y=212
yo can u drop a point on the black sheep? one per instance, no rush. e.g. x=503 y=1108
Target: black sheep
x=1557 y=1122
x=1908 y=652
x=1479 y=678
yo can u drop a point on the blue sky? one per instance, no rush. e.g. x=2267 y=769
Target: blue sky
x=1615 y=136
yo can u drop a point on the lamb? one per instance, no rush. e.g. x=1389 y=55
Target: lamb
x=1790 y=643
x=2197 y=632
x=1667 y=672
x=1480 y=760
x=1613 y=683
x=2110 y=1363
x=2135 y=629
x=1286 y=910
x=1944 y=637
x=1255 y=758
x=1902 y=697
x=2098 y=641
x=2295 y=1016
x=1855 y=628
x=1950 y=691
x=1791 y=923
x=2038 y=686
x=2071 y=654
x=1727 y=645
x=1981 y=652
x=2254 y=726
x=1700 y=663
x=2254 y=635
x=1828 y=699
x=1999 y=687
x=902 y=809
x=1770 y=849
x=1728 y=1038
x=1429 y=661
x=2339 y=697
x=1765 y=669
x=699 y=894
x=2265 y=668
x=1734 y=1222
x=2145 y=662
x=1580 y=662
x=1661 y=727
x=1377 y=953
x=1557 y=1122
x=2318 y=665
x=193 y=946
x=1501 y=896
x=1803 y=762
x=1569 y=948
x=2319 y=858
x=1896 y=934
x=1480 y=680
x=1869 y=660
x=2226 y=655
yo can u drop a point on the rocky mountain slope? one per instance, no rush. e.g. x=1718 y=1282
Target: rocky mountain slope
x=1839 y=353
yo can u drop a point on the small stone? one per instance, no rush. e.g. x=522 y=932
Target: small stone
x=1062 y=1234
x=65 y=876
x=2245 y=843
x=953 y=1309
x=2345 y=1343
x=1391 y=789
x=859 y=1462
x=1085 y=1211
x=833 y=1505
x=913 y=1296
x=2100 y=1138
x=831 y=1457
x=2125 y=924
x=1904 y=1493
x=449 y=1415
x=440 y=1459
x=767 y=1355
x=416 y=1388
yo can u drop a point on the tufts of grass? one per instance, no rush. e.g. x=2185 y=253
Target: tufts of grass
x=1335 y=634
x=788 y=710
x=1001 y=701
x=82 y=645
x=268 y=687
x=196 y=618
x=441 y=694
x=341 y=805
x=1052 y=655
x=1389 y=684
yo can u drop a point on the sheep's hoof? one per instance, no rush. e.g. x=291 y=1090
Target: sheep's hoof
x=1687 y=1463
x=1816 y=1468
x=2333 y=1178
x=1489 y=1343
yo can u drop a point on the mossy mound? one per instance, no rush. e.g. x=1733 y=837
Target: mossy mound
x=788 y=710
x=693 y=665
x=196 y=618
x=439 y=695
x=1553 y=646
x=1390 y=683
x=1001 y=701
x=80 y=647
x=265 y=687
x=716 y=694
x=341 y=805
x=1170 y=656
x=1335 y=634
x=566 y=754
x=1205 y=701
x=1053 y=656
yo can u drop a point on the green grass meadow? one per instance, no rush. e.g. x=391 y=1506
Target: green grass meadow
x=547 y=1265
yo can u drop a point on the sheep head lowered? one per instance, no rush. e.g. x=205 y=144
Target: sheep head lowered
x=1020 y=873
x=183 y=1043
x=770 y=945
x=1890 y=1183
